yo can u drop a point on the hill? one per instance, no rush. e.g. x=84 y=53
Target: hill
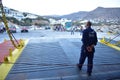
x=23 y=18
x=104 y=13
x=99 y=13
x=74 y=16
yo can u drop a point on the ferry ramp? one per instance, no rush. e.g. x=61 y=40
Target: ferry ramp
x=48 y=58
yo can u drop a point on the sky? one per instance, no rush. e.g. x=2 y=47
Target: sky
x=58 y=7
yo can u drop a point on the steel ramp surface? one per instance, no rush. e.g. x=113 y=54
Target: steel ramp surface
x=56 y=59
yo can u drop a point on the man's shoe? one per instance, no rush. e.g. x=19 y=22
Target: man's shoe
x=88 y=73
x=78 y=65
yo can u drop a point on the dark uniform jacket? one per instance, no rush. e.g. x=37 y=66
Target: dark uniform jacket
x=89 y=37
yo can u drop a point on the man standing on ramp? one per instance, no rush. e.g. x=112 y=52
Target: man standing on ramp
x=89 y=40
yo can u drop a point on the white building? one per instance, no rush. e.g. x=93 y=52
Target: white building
x=61 y=21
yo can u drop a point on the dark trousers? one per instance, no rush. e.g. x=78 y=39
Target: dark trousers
x=89 y=55
x=72 y=32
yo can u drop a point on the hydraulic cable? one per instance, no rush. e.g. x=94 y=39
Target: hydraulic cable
x=15 y=39
x=113 y=38
x=11 y=36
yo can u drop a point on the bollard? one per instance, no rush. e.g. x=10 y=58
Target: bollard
x=10 y=52
x=7 y=59
x=22 y=43
x=103 y=39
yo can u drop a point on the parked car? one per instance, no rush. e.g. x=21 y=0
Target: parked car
x=47 y=27
x=24 y=29
x=12 y=29
x=1 y=30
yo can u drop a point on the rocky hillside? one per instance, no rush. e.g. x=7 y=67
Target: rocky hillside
x=104 y=13
x=74 y=16
x=99 y=13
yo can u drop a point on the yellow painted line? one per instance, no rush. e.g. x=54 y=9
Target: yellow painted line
x=110 y=45
x=5 y=68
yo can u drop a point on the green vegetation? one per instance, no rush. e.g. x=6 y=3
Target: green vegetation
x=76 y=23
x=39 y=21
x=11 y=19
x=41 y=18
x=26 y=22
x=24 y=14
